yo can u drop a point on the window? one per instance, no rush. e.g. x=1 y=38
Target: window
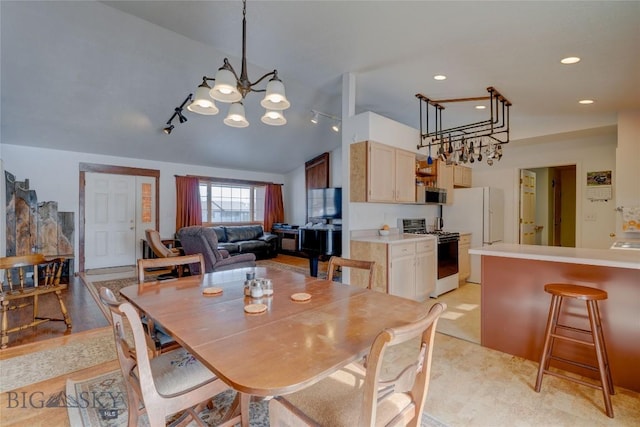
x=231 y=202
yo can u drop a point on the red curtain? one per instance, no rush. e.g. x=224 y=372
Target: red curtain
x=273 y=206
x=188 y=206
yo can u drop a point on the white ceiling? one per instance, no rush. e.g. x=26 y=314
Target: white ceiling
x=104 y=77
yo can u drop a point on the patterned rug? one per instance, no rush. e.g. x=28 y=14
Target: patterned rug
x=108 y=404
x=109 y=407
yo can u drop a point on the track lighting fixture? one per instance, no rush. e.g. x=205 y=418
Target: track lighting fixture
x=232 y=89
x=315 y=118
x=177 y=112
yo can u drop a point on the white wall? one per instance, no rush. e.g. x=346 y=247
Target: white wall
x=627 y=177
x=54 y=175
x=594 y=152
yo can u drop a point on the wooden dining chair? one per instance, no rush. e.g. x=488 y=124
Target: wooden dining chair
x=336 y=262
x=164 y=385
x=180 y=262
x=19 y=292
x=357 y=396
x=160 y=340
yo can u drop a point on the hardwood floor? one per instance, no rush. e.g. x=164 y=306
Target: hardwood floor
x=81 y=306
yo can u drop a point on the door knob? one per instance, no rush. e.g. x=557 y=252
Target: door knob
x=612 y=234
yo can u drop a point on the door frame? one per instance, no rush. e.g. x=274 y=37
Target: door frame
x=85 y=168
x=516 y=196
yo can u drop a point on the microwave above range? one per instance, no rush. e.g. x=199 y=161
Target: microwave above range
x=432 y=195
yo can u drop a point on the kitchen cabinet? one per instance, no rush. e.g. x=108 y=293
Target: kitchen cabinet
x=381 y=173
x=406 y=267
x=445 y=179
x=464 y=260
x=461 y=176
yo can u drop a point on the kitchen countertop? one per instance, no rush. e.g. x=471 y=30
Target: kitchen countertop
x=391 y=238
x=600 y=257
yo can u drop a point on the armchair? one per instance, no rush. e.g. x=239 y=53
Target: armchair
x=203 y=240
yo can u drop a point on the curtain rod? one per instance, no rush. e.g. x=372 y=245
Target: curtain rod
x=230 y=180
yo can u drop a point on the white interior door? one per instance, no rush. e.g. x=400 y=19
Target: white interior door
x=527 y=207
x=110 y=220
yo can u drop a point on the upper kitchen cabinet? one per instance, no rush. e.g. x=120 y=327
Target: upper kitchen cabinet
x=445 y=179
x=381 y=173
x=461 y=176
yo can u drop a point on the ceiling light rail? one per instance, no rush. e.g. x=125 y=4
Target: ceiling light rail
x=315 y=118
x=465 y=143
x=232 y=88
x=177 y=112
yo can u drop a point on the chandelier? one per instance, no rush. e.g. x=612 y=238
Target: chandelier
x=465 y=143
x=231 y=88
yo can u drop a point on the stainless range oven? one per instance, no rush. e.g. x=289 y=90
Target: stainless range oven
x=447 y=253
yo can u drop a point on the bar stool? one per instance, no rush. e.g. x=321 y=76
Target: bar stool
x=591 y=296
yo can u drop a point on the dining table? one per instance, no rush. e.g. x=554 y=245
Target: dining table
x=289 y=346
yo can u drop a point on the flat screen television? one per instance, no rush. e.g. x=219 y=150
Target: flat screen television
x=324 y=203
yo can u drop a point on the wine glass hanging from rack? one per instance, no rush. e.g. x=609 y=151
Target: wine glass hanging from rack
x=465 y=143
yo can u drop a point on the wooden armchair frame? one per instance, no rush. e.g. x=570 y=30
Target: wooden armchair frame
x=16 y=296
x=335 y=262
x=362 y=397
x=143 y=388
x=159 y=341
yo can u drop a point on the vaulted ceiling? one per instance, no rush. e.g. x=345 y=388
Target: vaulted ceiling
x=104 y=77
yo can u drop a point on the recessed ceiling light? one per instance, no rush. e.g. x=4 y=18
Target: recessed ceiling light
x=480 y=107
x=570 y=60
x=440 y=77
x=586 y=101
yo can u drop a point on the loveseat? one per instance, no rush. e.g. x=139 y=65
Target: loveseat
x=241 y=239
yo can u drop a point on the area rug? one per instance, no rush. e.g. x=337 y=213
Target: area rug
x=94 y=348
x=102 y=402
x=110 y=270
x=107 y=405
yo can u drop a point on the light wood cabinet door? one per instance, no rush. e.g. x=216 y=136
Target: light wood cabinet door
x=381 y=173
x=461 y=176
x=426 y=269
x=464 y=260
x=402 y=276
x=405 y=176
x=445 y=179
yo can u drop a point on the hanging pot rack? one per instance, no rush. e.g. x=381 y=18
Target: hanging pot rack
x=491 y=132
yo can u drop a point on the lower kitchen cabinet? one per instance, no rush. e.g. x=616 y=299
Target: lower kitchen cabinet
x=464 y=260
x=406 y=268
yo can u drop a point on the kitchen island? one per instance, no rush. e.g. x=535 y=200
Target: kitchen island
x=515 y=307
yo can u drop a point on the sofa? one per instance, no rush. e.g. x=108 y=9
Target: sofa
x=202 y=240
x=242 y=239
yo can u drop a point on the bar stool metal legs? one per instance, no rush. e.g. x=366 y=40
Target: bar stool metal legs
x=590 y=296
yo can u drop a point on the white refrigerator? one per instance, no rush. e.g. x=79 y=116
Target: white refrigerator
x=479 y=211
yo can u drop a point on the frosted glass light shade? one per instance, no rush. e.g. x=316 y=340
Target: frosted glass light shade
x=226 y=87
x=273 y=118
x=236 y=117
x=203 y=103
x=275 y=98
